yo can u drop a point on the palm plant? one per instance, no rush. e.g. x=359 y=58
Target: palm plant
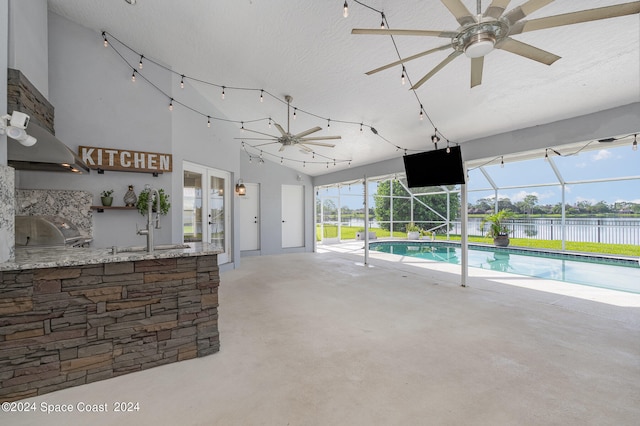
x=497 y=227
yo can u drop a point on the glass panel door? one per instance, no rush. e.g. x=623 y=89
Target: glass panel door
x=192 y=207
x=206 y=218
x=216 y=210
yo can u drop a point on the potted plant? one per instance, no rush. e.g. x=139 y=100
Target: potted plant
x=143 y=199
x=413 y=231
x=106 y=198
x=497 y=228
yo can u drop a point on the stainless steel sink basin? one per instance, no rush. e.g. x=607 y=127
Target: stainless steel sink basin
x=115 y=249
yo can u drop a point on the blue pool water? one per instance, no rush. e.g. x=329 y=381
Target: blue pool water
x=597 y=271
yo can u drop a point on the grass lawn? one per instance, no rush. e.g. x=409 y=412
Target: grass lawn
x=349 y=233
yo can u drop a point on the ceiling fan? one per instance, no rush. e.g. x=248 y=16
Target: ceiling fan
x=299 y=139
x=480 y=34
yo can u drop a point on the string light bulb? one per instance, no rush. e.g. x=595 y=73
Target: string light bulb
x=182 y=81
x=209 y=125
x=222 y=92
x=448 y=148
x=546 y=155
x=269 y=122
x=403 y=78
x=140 y=63
x=304 y=164
x=382 y=22
x=133 y=76
x=421 y=114
x=242 y=126
x=502 y=162
x=171 y=105
x=328 y=122
x=360 y=127
x=634 y=146
x=345 y=10
x=294 y=112
x=261 y=97
x=104 y=36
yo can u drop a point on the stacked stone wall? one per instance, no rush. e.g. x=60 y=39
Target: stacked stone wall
x=67 y=326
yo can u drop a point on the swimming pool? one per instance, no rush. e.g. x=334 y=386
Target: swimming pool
x=593 y=270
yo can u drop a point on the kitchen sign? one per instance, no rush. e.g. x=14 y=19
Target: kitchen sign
x=125 y=160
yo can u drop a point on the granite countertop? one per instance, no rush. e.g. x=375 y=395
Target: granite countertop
x=52 y=257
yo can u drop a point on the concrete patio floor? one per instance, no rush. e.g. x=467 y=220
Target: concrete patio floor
x=320 y=339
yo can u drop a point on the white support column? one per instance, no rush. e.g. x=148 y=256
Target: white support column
x=464 y=246
x=366 y=221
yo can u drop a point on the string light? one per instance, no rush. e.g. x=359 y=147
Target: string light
x=209 y=125
x=140 y=63
x=546 y=155
x=304 y=164
x=634 y=146
x=502 y=162
x=328 y=122
x=171 y=105
x=382 y=23
x=421 y=114
x=222 y=92
x=104 y=36
x=242 y=127
x=435 y=139
x=133 y=76
x=448 y=149
x=345 y=11
x=403 y=78
x=261 y=97
x=294 y=112
x=360 y=127
x=269 y=122
x=182 y=81
x=281 y=160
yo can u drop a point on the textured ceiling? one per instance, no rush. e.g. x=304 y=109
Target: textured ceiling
x=305 y=49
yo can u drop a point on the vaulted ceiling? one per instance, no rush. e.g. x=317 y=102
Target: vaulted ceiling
x=305 y=49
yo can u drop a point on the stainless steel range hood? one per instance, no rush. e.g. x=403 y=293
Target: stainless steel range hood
x=48 y=154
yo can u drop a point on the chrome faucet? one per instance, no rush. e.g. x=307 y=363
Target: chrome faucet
x=149 y=230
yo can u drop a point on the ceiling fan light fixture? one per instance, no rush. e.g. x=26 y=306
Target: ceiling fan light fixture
x=480 y=45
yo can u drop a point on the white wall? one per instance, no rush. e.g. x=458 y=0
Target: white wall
x=271 y=176
x=28 y=41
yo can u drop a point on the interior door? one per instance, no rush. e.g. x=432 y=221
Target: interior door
x=292 y=216
x=249 y=206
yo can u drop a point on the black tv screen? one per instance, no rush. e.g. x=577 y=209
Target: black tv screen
x=433 y=168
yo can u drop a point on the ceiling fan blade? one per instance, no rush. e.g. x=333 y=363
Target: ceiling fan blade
x=260 y=133
x=257 y=139
x=330 y=145
x=438 y=67
x=477 y=65
x=496 y=8
x=386 y=31
x=263 y=144
x=576 y=17
x=280 y=129
x=524 y=10
x=308 y=132
x=282 y=148
x=409 y=58
x=460 y=11
x=320 y=138
x=527 y=51
x=304 y=148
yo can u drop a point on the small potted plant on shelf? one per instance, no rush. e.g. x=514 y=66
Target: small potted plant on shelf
x=413 y=231
x=497 y=228
x=143 y=199
x=106 y=197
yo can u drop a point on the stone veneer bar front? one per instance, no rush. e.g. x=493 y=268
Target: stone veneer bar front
x=75 y=316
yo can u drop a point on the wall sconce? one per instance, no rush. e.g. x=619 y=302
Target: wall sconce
x=241 y=190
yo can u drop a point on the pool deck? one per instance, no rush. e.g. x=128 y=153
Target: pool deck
x=568 y=295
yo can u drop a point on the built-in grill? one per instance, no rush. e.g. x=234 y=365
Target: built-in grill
x=48 y=231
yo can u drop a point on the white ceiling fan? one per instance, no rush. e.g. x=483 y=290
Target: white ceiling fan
x=480 y=34
x=300 y=140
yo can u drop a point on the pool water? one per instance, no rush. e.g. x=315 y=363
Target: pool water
x=597 y=271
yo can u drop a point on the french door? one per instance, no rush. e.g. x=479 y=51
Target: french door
x=205 y=211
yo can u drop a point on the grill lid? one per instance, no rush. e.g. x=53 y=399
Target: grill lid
x=45 y=231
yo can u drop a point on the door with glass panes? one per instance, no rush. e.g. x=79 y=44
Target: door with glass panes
x=205 y=211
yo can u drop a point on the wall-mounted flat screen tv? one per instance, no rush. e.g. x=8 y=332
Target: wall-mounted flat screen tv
x=432 y=168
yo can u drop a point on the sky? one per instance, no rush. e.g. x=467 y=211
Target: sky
x=603 y=163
